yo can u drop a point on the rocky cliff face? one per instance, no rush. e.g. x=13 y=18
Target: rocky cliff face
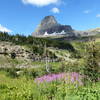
x=50 y=25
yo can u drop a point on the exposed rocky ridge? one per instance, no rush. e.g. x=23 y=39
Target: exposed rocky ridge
x=8 y=48
x=24 y=55
x=50 y=25
x=21 y=52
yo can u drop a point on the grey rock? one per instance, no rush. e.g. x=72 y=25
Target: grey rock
x=50 y=25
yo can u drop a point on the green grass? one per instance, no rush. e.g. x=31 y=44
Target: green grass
x=26 y=89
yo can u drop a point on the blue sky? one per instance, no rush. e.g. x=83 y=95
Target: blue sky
x=23 y=16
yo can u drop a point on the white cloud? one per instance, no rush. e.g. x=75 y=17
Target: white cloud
x=41 y=2
x=55 y=10
x=98 y=15
x=87 y=11
x=4 y=29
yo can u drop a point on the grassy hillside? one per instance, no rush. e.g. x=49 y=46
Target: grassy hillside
x=73 y=75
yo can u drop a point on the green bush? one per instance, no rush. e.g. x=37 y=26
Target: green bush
x=92 y=62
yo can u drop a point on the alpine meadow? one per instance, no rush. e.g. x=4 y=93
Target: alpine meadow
x=42 y=57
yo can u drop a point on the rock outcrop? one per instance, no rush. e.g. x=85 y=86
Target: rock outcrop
x=9 y=49
x=49 y=26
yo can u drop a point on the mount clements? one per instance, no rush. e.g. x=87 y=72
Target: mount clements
x=49 y=26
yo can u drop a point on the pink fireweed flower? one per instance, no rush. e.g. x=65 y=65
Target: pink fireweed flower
x=72 y=77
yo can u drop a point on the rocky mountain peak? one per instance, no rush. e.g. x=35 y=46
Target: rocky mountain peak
x=50 y=25
x=49 y=20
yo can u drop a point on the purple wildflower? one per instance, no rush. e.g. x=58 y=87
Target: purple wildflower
x=68 y=77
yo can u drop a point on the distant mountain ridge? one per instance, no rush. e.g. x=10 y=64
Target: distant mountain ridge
x=94 y=31
x=50 y=27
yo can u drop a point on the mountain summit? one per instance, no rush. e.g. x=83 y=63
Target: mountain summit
x=49 y=26
x=48 y=21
